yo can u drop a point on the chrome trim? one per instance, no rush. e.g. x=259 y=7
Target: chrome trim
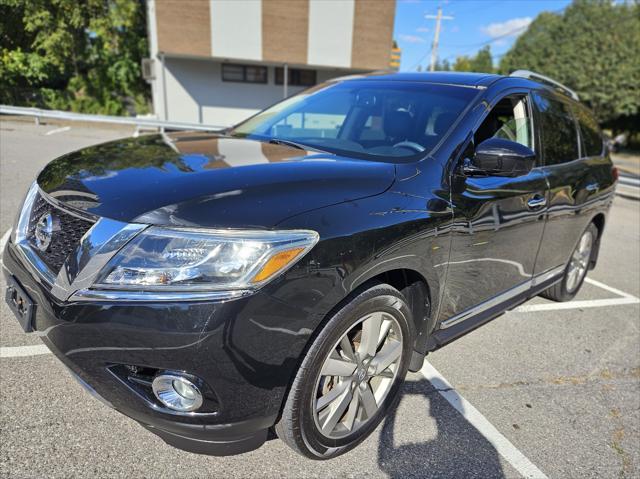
x=33 y=262
x=103 y=240
x=124 y=296
x=96 y=248
x=503 y=297
x=547 y=275
x=544 y=79
x=83 y=215
x=164 y=389
x=536 y=202
x=22 y=226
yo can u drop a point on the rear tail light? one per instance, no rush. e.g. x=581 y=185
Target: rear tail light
x=614 y=173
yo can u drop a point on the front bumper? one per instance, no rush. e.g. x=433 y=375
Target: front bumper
x=247 y=350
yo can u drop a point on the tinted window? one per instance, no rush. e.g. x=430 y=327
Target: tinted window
x=367 y=119
x=244 y=73
x=591 y=139
x=296 y=77
x=559 y=134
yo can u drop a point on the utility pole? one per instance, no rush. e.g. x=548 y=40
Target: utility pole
x=436 y=36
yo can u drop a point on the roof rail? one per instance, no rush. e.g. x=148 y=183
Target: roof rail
x=544 y=79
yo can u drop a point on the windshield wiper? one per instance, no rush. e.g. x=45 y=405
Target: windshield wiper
x=278 y=141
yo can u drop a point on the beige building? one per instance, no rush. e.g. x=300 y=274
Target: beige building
x=218 y=61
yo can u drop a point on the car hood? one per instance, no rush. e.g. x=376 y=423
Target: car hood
x=196 y=179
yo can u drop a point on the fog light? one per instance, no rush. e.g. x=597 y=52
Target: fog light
x=177 y=392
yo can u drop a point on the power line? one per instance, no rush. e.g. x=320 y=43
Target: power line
x=495 y=39
x=483 y=43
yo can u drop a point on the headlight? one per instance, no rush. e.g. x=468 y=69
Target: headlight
x=204 y=260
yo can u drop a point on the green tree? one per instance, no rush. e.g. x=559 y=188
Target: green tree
x=483 y=62
x=443 y=66
x=593 y=48
x=480 y=62
x=77 y=55
x=463 y=64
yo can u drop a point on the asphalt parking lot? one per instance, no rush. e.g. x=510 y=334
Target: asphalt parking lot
x=546 y=390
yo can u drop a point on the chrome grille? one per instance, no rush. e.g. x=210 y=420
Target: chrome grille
x=64 y=240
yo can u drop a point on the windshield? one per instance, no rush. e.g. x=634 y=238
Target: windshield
x=379 y=120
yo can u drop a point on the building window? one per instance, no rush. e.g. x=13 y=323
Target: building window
x=297 y=77
x=244 y=73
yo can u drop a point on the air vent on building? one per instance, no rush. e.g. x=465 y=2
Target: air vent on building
x=148 y=70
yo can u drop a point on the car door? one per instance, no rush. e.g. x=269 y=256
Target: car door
x=572 y=184
x=498 y=221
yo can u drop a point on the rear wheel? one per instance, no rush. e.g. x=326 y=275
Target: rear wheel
x=350 y=377
x=576 y=270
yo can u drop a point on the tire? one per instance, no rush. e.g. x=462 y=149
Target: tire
x=568 y=287
x=320 y=431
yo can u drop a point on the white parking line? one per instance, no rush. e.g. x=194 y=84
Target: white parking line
x=3 y=241
x=502 y=445
x=624 y=298
x=21 y=351
x=589 y=303
x=611 y=289
x=58 y=130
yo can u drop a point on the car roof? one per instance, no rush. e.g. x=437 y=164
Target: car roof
x=452 y=78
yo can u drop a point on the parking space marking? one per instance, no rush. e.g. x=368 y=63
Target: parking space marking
x=3 y=240
x=623 y=298
x=502 y=445
x=58 y=130
x=589 y=303
x=22 y=351
x=611 y=289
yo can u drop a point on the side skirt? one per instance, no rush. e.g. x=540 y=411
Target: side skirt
x=491 y=309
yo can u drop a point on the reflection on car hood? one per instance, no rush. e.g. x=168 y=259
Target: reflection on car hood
x=207 y=180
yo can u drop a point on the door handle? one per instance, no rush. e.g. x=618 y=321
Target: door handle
x=536 y=202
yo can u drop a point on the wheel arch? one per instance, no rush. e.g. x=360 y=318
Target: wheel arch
x=421 y=296
x=410 y=283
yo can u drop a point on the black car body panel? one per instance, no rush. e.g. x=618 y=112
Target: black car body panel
x=478 y=244
x=207 y=180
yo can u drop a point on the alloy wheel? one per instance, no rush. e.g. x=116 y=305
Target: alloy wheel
x=357 y=375
x=579 y=262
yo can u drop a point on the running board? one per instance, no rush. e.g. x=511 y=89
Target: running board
x=463 y=323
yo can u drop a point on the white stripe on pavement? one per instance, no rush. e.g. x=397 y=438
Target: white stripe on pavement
x=625 y=298
x=3 y=241
x=21 y=351
x=58 y=130
x=502 y=445
x=611 y=289
x=589 y=303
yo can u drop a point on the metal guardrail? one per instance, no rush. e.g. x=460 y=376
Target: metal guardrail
x=139 y=123
x=629 y=187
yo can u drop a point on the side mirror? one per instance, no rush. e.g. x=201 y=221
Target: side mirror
x=500 y=157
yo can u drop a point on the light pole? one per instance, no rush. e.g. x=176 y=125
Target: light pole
x=436 y=36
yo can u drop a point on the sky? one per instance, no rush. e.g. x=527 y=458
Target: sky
x=475 y=23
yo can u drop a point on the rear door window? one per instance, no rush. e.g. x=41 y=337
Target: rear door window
x=589 y=131
x=559 y=132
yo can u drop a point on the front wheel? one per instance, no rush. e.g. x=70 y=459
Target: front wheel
x=350 y=376
x=576 y=270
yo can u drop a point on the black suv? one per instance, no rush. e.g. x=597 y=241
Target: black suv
x=286 y=273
